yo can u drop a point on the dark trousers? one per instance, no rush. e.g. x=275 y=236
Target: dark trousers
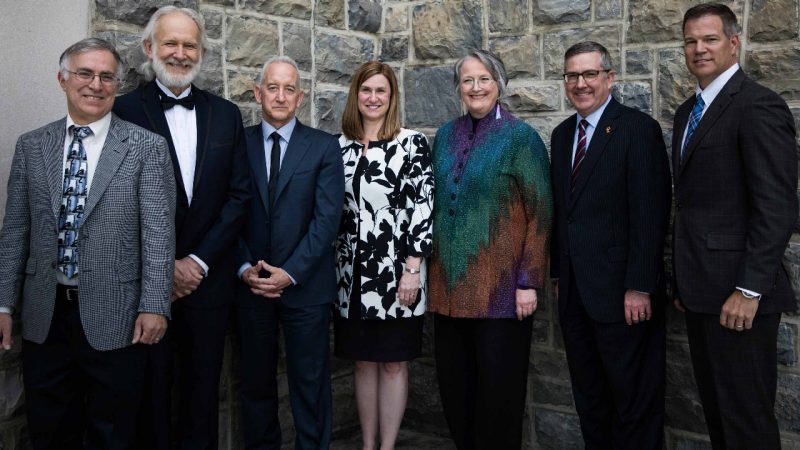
x=736 y=374
x=196 y=338
x=78 y=397
x=306 y=332
x=482 y=367
x=618 y=377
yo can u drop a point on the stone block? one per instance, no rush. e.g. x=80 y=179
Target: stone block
x=549 y=363
x=544 y=125
x=130 y=50
x=396 y=18
x=787 y=402
x=638 y=62
x=683 y=408
x=240 y=86
x=424 y=408
x=394 y=48
x=557 y=430
x=773 y=20
x=607 y=9
x=675 y=83
x=345 y=409
x=330 y=13
x=541 y=331
x=296 y=9
x=329 y=109
x=551 y=12
x=210 y=76
x=508 y=16
x=446 y=29
x=778 y=69
x=791 y=262
x=520 y=55
x=529 y=98
x=635 y=94
x=431 y=99
x=556 y=43
x=250 y=40
x=339 y=56
x=213 y=19
x=653 y=21
x=365 y=15
x=684 y=442
x=552 y=393
x=297 y=44
x=138 y=12
x=12 y=397
x=787 y=344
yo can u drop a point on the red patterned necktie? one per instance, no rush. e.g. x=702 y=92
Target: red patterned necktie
x=580 y=153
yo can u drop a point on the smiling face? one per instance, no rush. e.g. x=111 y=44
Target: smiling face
x=175 y=51
x=279 y=94
x=477 y=87
x=709 y=52
x=587 y=97
x=374 y=96
x=88 y=102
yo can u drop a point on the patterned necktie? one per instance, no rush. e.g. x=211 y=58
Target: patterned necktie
x=73 y=201
x=274 y=164
x=580 y=152
x=694 y=119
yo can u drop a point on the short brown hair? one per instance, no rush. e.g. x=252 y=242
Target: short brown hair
x=352 y=127
x=728 y=18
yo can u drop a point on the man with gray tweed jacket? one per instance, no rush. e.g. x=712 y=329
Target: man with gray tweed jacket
x=87 y=255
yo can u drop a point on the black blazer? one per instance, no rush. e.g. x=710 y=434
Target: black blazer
x=609 y=233
x=735 y=199
x=297 y=232
x=209 y=227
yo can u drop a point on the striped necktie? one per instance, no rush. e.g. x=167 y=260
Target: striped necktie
x=580 y=152
x=694 y=120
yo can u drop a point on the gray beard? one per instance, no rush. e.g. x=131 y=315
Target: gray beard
x=174 y=81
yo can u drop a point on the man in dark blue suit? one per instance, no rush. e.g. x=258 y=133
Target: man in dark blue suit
x=206 y=143
x=287 y=271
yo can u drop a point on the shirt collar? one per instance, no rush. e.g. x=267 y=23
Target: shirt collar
x=713 y=88
x=285 y=131
x=594 y=117
x=99 y=128
x=168 y=92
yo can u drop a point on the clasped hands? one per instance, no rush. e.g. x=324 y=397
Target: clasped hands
x=188 y=275
x=271 y=287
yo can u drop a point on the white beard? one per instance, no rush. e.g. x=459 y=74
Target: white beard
x=172 y=80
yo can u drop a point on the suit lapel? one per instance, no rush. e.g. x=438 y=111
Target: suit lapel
x=203 y=113
x=566 y=155
x=713 y=113
x=53 y=149
x=258 y=163
x=602 y=134
x=295 y=152
x=112 y=155
x=158 y=123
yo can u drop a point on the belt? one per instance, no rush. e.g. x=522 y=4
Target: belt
x=68 y=293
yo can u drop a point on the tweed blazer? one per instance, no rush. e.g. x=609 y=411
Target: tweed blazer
x=126 y=240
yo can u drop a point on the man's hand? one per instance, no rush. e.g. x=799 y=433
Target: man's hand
x=5 y=330
x=265 y=287
x=637 y=307
x=149 y=328
x=738 y=312
x=679 y=305
x=188 y=275
x=526 y=302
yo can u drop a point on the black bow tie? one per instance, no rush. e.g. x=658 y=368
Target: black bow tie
x=168 y=102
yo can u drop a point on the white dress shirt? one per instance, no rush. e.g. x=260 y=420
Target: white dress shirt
x=592 y=118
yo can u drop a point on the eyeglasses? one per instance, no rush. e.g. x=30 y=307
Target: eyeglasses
x=87 y=76
x=482 y=82
x=588 y=75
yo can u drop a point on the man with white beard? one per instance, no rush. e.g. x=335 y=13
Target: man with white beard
x=207 y=148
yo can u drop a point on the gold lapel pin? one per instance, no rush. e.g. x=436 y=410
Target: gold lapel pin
x=608 y=130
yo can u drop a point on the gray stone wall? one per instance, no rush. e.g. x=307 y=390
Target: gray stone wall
x=421 y=39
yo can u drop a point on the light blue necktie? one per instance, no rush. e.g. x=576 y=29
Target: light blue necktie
x=694 y=120
x=73 y=202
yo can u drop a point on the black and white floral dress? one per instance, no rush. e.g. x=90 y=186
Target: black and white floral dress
x=387 y=217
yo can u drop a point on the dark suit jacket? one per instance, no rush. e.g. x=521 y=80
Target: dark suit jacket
x=735 y=198
x=125 y=241
x=298 y=231
x=610 y=231
x=208 y=228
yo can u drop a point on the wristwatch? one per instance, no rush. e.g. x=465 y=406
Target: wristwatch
x=749 y=295
x=412 y=270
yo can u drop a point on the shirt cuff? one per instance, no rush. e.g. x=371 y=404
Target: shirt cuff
x=6 y=309
x=294 y=282
x=749 y=292
x=202 y=264
x=242 y=268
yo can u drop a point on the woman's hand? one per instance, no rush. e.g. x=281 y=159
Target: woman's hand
x=526 y=302
x=408 y=287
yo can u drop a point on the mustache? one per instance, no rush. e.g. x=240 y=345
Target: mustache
x=175 y=61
